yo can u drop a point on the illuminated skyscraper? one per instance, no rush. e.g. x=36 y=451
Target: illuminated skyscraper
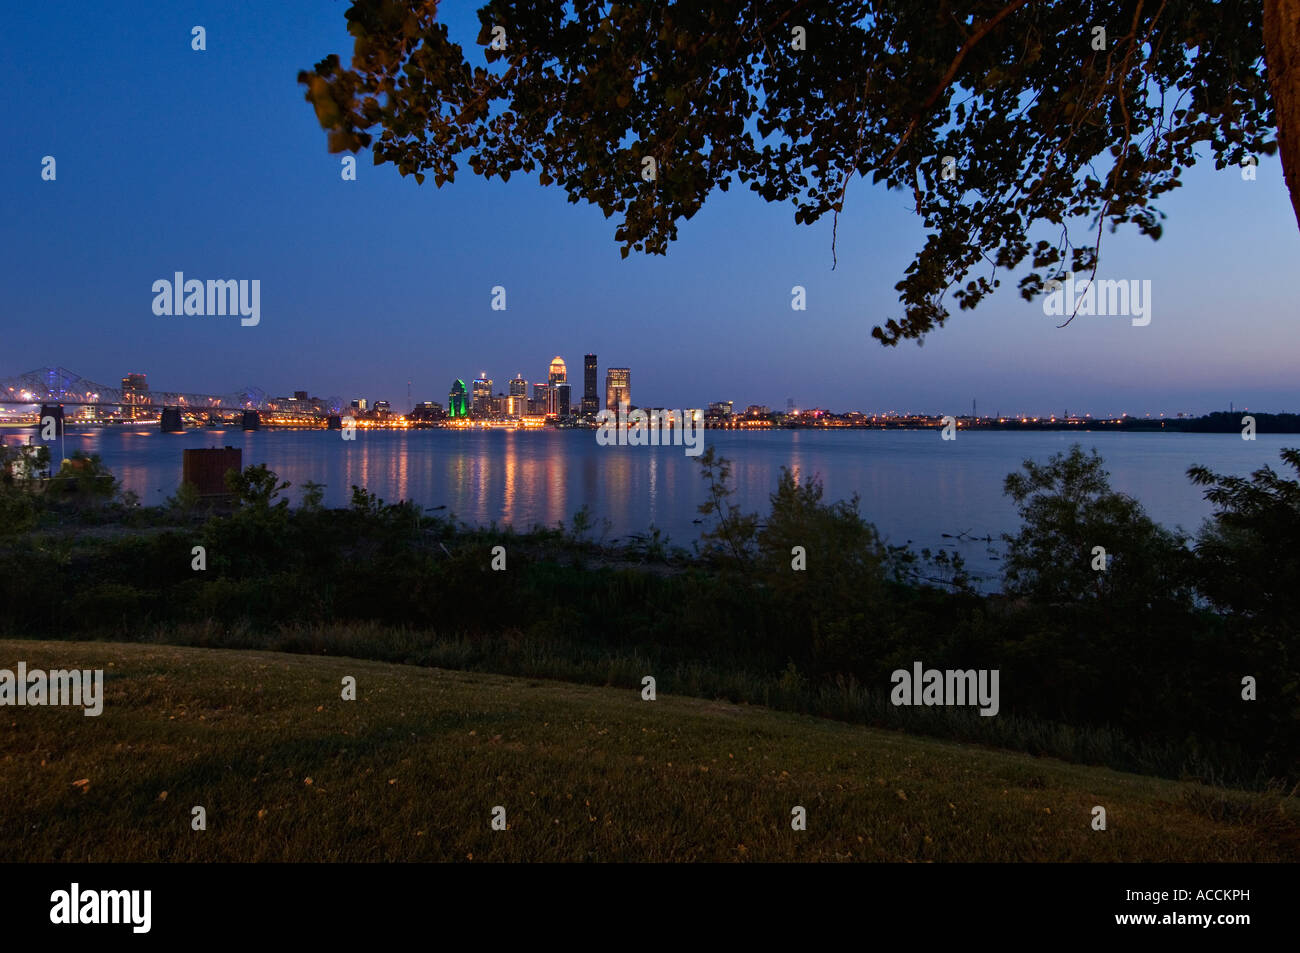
x=135 y=390
x=482 y=405
x=458 y=400
x=557 y=375
x=590 y=391
x=618 y=388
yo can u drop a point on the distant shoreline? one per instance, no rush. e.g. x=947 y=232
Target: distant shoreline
x=1264 y=424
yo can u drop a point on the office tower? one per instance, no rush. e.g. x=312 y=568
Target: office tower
x=557 y=374
x=590 y=394
x=427 y=411
x=562 y=401
x=618 y=388
x=540 y=405
x=482 y=405
x=135 y=390
x=517 y=403
x=458 y=400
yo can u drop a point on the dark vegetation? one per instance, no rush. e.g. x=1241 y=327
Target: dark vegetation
x=1139 y=666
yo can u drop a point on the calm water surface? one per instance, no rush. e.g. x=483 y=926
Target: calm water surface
x=913 y=485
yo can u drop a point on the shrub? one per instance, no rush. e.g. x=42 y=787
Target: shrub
x=84 y=477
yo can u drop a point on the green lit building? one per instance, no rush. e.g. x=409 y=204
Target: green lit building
x=458 y=400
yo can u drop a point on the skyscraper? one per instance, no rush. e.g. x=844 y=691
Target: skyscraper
x=482 y=405
x=458 y=400
x=540 y=405
x=618 y=388
x=135 y=390
x=562 y=398
x=517 y=404
x=557 y=374
x=590 y=394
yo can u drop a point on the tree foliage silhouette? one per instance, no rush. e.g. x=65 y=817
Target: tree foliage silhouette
x=995 y=115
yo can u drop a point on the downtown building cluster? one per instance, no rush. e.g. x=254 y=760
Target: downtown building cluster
x=552 y=400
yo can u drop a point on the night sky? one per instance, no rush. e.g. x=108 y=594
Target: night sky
x=211 y=163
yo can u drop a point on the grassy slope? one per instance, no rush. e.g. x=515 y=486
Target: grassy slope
x=413 y=768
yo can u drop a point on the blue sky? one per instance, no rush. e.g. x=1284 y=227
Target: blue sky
x=211 y=163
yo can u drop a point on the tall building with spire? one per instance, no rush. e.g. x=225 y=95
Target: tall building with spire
x=517 y=402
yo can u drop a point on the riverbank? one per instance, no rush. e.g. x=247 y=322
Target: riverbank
x=805 y=609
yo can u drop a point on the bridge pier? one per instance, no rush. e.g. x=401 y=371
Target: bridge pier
x=252 y=420
x=171 y=420
x=47 y=411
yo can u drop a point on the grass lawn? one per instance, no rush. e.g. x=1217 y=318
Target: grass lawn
x=411 y=770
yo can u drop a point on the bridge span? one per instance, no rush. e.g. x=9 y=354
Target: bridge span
x=54 y=392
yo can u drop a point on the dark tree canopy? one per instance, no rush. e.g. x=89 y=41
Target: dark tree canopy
x=1044 y=123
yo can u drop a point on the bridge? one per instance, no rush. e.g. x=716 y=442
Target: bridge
x=58 y=387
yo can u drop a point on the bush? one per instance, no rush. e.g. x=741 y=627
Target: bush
x=17 y=511
x=83 y=478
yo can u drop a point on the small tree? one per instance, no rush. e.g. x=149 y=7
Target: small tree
x=313 y=495
x=732 y=538
x=839 y=540
x=1082 y=541
x=186 y=499
x=257 y=486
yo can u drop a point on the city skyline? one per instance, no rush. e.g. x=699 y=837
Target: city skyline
x=712 y=320
x=136 y=382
